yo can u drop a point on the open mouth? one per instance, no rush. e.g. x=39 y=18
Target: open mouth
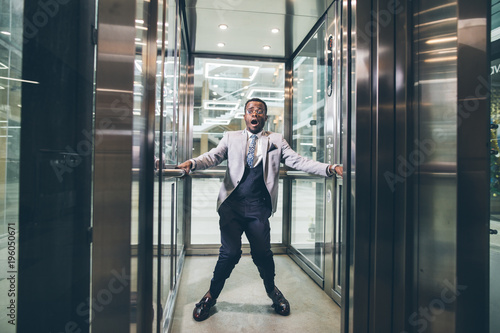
x=254 y=122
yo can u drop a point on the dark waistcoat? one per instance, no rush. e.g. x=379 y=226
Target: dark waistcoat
x=251 y=187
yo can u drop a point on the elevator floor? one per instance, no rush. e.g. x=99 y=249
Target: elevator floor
x=243 y=305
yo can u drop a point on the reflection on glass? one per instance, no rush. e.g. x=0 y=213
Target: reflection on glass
x=309 y=99
x=139 y=70
x=11 y=45
x=307 y=225
x=221 y=88
x=182 y=112
x=167 y=205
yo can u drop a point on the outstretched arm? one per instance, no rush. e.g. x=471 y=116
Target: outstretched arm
x=207 y=160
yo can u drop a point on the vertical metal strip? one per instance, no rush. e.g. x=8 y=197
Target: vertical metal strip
x=176 y=82
x=332 y=117
x=146 y=176
x=361 y=163
x=381 y=307
x=189 y=147
x=113 y=166
x=287 y=182
x=159 y=275
x=403 y=228
x=347 y=97
x=172 y=237
x=473 y=135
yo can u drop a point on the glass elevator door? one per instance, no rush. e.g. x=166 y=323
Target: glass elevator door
x=495 y=168
x=315 y=224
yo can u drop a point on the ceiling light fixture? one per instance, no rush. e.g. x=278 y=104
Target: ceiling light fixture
x=275 y=30
x=221 y=44
x=231 y=72
x=223 y=26
x=266 y=47
x=5 y=33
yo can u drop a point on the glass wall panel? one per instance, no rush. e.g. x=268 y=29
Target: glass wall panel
x=221 y=88
x=183 y=111
x=161 y=223
x=205 y=220
x=11 y=45
x=166 y=139
x=139 y=95
x=307 y=223
x=167 y=230
x=495 y=169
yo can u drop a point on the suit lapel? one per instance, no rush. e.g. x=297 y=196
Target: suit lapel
x=243 y=138
x=264 y=146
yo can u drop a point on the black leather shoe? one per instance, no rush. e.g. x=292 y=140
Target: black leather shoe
x=280 y=304
x=202 y=309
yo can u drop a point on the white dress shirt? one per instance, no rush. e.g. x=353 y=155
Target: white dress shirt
x=258 y=149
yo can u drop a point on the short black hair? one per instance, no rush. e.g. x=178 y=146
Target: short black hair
x=256 y=100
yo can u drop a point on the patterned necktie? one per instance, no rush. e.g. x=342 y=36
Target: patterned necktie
x=251 y=150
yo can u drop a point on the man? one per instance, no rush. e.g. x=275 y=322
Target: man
x=247 y=198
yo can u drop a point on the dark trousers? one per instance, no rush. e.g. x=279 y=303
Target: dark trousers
x=253 y=219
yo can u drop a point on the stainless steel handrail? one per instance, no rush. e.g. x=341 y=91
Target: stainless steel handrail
x=172 y=173
x=219 y=173
x=301 y=175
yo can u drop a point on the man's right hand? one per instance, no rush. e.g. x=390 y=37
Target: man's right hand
x=186 y=166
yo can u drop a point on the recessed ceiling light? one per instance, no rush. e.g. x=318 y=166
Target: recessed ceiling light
x=266 y=47
x=5 y=33
x=275 y=30
x=221 y=44
x=223 y=26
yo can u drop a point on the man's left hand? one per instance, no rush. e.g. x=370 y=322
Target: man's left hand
x=338 y=170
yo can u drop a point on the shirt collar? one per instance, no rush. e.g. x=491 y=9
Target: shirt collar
x=249 y=134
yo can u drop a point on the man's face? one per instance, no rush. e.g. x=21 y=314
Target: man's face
x=254 y=120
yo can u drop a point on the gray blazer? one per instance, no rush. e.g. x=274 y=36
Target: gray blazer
x=233 y=148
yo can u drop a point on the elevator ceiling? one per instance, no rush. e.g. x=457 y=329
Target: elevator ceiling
x=250 y=25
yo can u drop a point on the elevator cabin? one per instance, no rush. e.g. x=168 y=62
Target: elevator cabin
x=101 y=100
